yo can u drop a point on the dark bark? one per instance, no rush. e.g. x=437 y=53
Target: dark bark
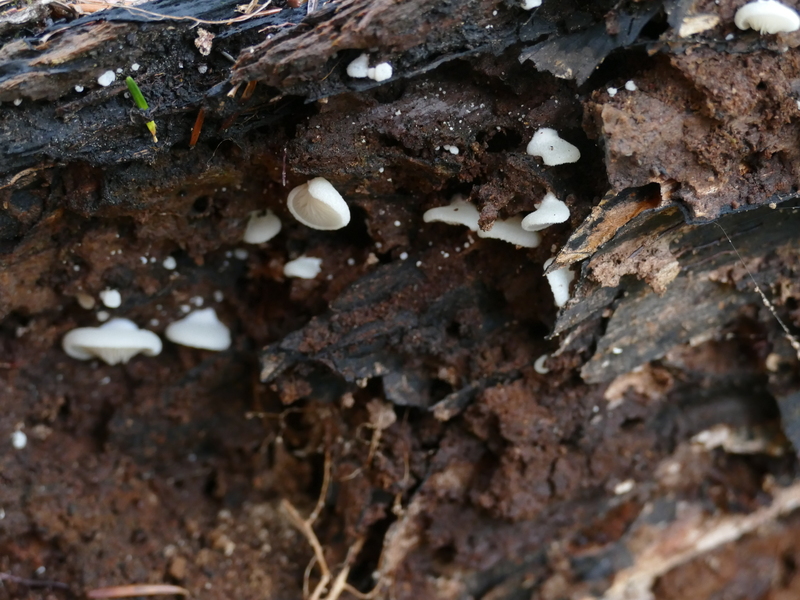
x=660 y=440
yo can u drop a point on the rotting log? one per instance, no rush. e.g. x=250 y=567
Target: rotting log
x=656 y=443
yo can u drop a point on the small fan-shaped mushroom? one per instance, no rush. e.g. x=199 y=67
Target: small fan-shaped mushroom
x=511 y=231
x=458 y=212
x=261 y=227
x=116 y=341
x=549 y=212
x=553 y=150
x=304 y=267
x=200 y=329
x=767 y=16
x=318 y=205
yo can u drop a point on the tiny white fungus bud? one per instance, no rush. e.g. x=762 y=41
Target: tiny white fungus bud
x=511 y=231
x=403 y=255
x=169 y=263
x=530 y=4
x=549 y=212
x=202 y=69
x=453 y=149
x=767 y=16
x=111 y=298
x=304 y=267
x=380 y=72
x=318 y=205
x=553 y=150
x=538 y=364
x=114 y=342
x=559 y=281
x=19 y=440
x=17 y=101
x=85 y=301
x=79 y=88
x=612 y=91
x=201 y=329
x=458 y=212
x=135 y=67
x=261 y=227
x=103 y=316
x=630 y=85
x=107 y=78
x=624 y=487
x=359 y=67
x=240 y=254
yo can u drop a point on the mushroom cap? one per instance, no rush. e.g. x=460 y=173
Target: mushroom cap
x=200 y=329
x=318 y=205
x=530 y=4
x=116 y=341
x=261 y=227
x=458 y=212
x=553 y=150
x=359 y=67
x=559 y=281
x=303 y=267
x=511 y=231
x=550 y=211
x=767 y=16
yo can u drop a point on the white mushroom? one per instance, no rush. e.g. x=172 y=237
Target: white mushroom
x=380 y=72
x=111 y=298
x=767 y=16
x=511 y=231
x=559 y=281
x=200 y=329
x=458 y=212
x=304 y=267
x=318 y=205
x=262 y=227
x=107 y=78
x=530 y=4
x=359 y=67
x=116 y=341
x=553 y=150
x=550 y=211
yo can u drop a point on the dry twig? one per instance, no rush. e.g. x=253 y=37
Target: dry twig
x=128 y=591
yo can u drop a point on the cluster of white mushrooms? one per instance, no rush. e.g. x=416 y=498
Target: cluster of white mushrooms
x=119 y=340
x=518 y=230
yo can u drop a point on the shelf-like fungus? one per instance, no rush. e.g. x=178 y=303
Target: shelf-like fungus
x=551 y=148
x=114 y=342
x=458 y=212
x=767 y=16
x=304 y=267
x=318 y=205
x=511 y=231
x=549 y=212
x=559 y=281
x=200 y=329
x=262 y=227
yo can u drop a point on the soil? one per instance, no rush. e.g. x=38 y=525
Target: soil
x=396 y=397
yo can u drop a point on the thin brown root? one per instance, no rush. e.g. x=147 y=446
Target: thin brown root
x=128 y=591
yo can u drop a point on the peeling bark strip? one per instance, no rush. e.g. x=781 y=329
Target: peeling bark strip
x=452 y=433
